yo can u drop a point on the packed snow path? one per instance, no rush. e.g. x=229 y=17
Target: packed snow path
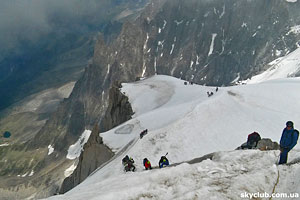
x=227 y=176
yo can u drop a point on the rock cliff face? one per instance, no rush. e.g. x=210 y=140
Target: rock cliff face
x=217 y=42
x=95 y=152
x=119 y=109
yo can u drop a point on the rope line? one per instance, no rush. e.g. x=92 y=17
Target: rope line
x=273 y=191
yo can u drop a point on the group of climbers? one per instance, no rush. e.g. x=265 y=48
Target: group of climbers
x=288 y=140
x=128 y=162
x=211 y=93
x=129 y=166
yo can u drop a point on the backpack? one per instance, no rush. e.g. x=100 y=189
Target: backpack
x=295 y=131
x=163 y=159
x=253 y=138
x=125 y=159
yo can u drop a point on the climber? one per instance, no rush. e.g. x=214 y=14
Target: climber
x=288 y=140
x=147 y=164
x=163 y=162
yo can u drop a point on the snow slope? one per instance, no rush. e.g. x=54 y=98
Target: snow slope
x=228 y=176
x=282 y=67
x=184 y=122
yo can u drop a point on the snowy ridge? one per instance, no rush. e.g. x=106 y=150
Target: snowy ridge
x=184 y=122
x=284 y=67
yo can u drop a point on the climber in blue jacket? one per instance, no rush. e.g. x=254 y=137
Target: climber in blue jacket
x=288 y=140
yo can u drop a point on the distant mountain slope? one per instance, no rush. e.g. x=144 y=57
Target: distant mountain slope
x=288 y=66
x=52 y=62
x=51 y=45
x=215 y=42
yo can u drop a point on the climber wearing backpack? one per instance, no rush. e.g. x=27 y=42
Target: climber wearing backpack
x=147 y=164
x=288 y=140
x=163 y=161
x=143 y=133
x=128 y=164
x=125 y=159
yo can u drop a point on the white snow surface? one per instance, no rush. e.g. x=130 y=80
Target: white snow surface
x=283 y=67
x=4 y=145
x=294 y=29
x=50 y=149
x=70 y=170
x=228 y=176
x=31 y=173
x=75 y=149
x=184 y=122
x=211 y=49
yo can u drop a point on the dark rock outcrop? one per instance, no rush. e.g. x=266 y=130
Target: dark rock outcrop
x=95 y=152
x=267 y=144
x=119 y=109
